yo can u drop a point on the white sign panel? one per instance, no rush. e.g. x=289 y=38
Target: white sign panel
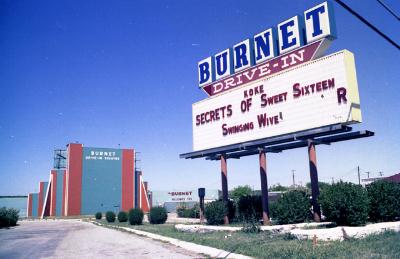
x=315 y=94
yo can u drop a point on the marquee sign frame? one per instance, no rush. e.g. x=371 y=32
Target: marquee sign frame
x=269 y=54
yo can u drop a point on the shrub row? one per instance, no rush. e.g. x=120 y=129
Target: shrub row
x=135 y=216
x=110 y=216
x=343 y=203
x=293 y=207
x=346 y=204
x=8 y=217
x=384 y=201
x=353 y=205
x=98 y=215
x=157 y=215
x=122 y=216
x=216 y=211
x=184 y=212
x=249 y=207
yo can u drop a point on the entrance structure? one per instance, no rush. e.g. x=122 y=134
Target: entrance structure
x=277 y=91
x=308 y=138
x=86 y=180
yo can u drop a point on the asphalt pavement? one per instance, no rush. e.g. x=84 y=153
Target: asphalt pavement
x=75 y=239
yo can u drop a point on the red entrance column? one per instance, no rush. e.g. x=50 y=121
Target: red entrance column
x=264 y=187
x=74 y=180
x=314 y=180
x=53 y=193
x=128 y=179
x=224 y=181
x=30 y=201
x=41 y=198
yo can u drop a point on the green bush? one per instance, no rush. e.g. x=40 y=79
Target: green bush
x=122 y=216
x=346 y=204
x=251 y=224
x=158 y=215
x=181 y=210
x=215 y=212
x=13 y=215
x=321 y=186
x=250 y=207
x=8 y=217
x=384 y=200
x=185 y=212
x=240 y=191
x=292 y=207
x=135 y=216
x=98 y=215
x=110 y=216
x=231 y=207
x=195 y=213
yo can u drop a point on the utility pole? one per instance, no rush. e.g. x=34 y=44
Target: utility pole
x=359 y=178
x=293 y=177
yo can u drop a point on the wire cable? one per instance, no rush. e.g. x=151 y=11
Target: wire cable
x=388 y=9
x=368 y=23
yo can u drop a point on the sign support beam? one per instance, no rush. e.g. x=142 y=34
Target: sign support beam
x=268 y=142
x=314 y=181
x=264 y=187
x=224 y=181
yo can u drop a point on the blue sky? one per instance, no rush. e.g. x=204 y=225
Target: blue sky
x=106 y=73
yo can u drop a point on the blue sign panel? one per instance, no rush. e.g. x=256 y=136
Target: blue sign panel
x=316 y=24
x=101 y=180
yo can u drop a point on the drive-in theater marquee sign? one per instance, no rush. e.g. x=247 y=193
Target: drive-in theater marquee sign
x=275 y=83
x=277 y=91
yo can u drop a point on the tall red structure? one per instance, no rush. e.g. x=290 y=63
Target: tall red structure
x=94 y=180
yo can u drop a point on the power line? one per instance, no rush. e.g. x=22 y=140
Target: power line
x=344 y=175
x=350 y=172
x=388 y=9
x=368 y=23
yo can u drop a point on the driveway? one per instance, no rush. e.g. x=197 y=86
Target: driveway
x=75 y=239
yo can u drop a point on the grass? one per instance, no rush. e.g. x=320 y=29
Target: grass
x=267 y=245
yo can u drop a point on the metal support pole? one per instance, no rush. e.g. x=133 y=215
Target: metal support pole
x=314 y=181
x=224 y=181
x=264 y=187
x=201 y=210
x=202 y=193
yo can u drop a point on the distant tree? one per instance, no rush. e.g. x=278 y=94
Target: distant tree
x=278 y=188
x=240 y=191
x=322 y=186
